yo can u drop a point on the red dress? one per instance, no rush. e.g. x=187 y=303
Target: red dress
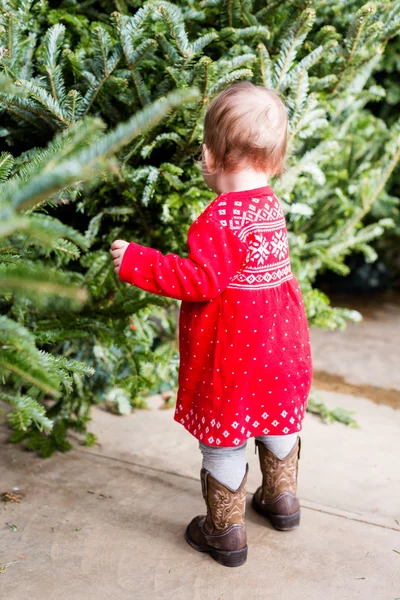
x=245 y=361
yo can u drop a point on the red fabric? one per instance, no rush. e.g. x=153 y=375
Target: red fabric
x=245 y=362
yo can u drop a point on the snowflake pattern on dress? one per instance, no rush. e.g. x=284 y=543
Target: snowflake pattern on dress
x=279 y=244
x=260 y=225
x=258 y=249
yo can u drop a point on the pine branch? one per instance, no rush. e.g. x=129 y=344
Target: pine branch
x=52 y=46
x=159 y=140
x=203 y=41
x=24 y=109
x=38 y=280
x=90 y=161
x=265 y=66
x=353 y=39
x=46 y=101
x=307 y=62
x=6 y=164
x=203 y=68
x=290 y=45
x=379 y=187
x=173 y=18
x=42 y=229
x=105 y=60
x=228 y=79
x=133 y=55
x=27 y=412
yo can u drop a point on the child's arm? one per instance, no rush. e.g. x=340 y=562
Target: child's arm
x=215 y=255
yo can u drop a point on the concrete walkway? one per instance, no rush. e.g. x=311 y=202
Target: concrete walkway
x=364 y=358
x=107 y=522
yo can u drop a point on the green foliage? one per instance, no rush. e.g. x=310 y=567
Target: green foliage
x=101 y=128
x=43 y=302
x=341 y=415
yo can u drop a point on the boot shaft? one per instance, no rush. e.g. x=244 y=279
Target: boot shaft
x=279 y=475
x=225 y=507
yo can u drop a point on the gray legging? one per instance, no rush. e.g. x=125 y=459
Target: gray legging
x=228 y=465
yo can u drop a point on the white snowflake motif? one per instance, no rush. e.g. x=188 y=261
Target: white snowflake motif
x=296 y=410
x=207 y=429
x=203 y=420
x=279 y=244
x=236 y=441
x=258 y=249
x=183 y=421
x=211 y=439
x=256 y=424
x=298 y=425
x=218 y=425
x=243 y=429
x=275 y=423
x=285 y=430
x=248 y=434
x=213 y=422
x=235 y=424
x=291 y=420
x=265 y=431
x=247 y=419
x=283 y=413
x=265 y=415
x=225 y=434
x=218 y=441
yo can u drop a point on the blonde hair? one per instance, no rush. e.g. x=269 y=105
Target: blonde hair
x=246 y=124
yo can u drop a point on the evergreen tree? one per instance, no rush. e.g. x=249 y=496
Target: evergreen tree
x=68 y=66
x=41 y=301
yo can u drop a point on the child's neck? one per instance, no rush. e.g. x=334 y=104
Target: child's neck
x=239 y=181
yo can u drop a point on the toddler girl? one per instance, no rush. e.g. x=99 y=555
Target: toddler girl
x=245 y=365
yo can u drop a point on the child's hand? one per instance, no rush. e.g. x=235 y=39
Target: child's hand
x=118 y=250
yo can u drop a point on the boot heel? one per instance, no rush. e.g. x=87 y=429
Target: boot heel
x=284 y=522
x=235 y=558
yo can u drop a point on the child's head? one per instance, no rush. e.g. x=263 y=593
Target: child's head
x=245 y=127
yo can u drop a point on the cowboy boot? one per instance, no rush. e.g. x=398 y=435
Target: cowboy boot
x=222 y=532
x=276 y=497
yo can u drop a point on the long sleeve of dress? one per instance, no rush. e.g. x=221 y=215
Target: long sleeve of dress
x=215 y=255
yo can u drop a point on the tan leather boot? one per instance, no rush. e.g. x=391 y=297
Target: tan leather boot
x=276 y=497
x=222 y=532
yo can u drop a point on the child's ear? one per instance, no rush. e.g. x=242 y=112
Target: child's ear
x=207 y=161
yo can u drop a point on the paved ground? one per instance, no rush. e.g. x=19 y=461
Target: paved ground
x=107 y=522
x=365 y=355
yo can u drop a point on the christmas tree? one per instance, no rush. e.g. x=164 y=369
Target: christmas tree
x=101 y=129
